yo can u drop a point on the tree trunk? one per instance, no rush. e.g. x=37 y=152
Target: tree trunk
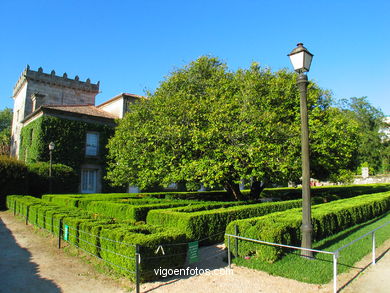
x=233 y=190
x=256 y=188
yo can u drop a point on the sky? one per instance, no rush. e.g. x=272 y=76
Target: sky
x=131 y=46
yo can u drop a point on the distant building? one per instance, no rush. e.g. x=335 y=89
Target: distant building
x=55 y=108
x=386 y=130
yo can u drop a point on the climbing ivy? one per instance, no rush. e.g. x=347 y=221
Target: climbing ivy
x=69 y=137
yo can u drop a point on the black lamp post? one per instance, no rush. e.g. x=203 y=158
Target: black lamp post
x=51 y=148
x=301 y=59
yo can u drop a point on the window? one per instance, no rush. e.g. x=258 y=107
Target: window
x=31 y=135
x=89 y=180
x=92 y=143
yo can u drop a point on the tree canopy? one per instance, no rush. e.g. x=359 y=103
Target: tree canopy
x=207 y=125
x=371 y=146
x=5 y=130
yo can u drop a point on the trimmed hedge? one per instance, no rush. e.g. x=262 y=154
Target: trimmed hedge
x=285 y=227
x=333 y=192
x=81 y=200
x=210 y=221
x=124 y=239
x=113 y=241
x=13 y=178
x=135 y=210
x=64 y=178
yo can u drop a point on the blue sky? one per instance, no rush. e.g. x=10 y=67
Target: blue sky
x=131 y=45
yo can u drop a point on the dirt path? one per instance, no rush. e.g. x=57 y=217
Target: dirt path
x=30 y=262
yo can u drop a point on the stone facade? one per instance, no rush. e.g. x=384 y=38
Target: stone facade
x=36 y=88
x=41 y=97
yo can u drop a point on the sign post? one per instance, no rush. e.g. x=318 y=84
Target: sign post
x=193 y=252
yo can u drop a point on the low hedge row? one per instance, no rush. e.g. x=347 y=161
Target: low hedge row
x=81 y=200
x=123 y=240
x=334 y=192
x=135 y=210
x=208 y=222
x=112 y=240
x=33 y=179
x=285 y=227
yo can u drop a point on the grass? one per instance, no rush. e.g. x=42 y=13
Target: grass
x=320 y=269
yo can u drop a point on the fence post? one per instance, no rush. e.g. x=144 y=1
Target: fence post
x=137 y=272
x=236 y=240
x=27 y=209
x=373 y=248
x=229 y=257
x=59 y=233
x=335 y=256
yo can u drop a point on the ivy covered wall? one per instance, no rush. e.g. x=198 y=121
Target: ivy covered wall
x=69 y=137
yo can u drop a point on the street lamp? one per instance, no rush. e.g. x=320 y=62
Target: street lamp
x=301 y=59
x=51 y=148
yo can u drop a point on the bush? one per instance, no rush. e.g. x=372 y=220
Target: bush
x=123 y=240
x=33 y=179
x=112 y=240
x=209 y=221
x=82 y=200
x=327 y=219
x=135 y=210
x=335 y=192
x=13 y=178
x=64 y=179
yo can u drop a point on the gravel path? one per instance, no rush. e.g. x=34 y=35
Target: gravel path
x=30 y=262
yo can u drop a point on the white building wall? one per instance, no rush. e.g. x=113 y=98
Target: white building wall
x=18 y=115
x=115 y=107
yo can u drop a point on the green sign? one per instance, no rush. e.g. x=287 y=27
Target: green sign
x=66 y=232
x=193 y=252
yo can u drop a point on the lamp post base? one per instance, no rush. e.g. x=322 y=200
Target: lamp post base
x=307 y=230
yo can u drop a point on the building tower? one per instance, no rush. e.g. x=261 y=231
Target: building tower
x=36 y=88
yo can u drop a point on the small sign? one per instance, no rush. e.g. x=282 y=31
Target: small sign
x=365 y=172
x=193 y=252
x=160 y=248
x=66 y=232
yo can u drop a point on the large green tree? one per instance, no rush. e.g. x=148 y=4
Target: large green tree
x=370 y=120
x=208 y=125
x=5 y=130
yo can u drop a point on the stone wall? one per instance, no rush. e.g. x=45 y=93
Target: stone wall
x=36 y=88
x=372 y=179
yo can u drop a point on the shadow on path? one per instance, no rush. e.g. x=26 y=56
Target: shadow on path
x=17 y=272
x=210 y=258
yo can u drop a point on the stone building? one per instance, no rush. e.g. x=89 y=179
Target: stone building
x=55 y=108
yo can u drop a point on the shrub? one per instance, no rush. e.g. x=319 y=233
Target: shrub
x=13 y=178
x=210 y=221
x=335 y=192
x=136 y=209
x=82 y=200
x=327 y=219
x=123 y=240
x=64 y=178
x=112 y=240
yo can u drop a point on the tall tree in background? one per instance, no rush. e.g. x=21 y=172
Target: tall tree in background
x=370 y=121
x=5 y=131
x=208 y=125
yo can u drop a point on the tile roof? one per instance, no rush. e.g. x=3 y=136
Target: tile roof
x=89 y=110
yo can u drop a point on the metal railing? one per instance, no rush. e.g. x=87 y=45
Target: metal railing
x=336 y=253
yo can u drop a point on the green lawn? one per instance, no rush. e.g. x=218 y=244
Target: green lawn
x=320 y=270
